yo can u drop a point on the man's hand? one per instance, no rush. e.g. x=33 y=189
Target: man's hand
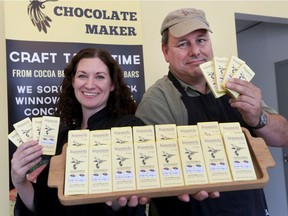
x=248 y=102
x=201 y=195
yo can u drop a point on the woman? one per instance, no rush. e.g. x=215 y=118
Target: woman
x=93 y=96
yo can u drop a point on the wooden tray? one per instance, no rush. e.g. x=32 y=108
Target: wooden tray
x=260 y=154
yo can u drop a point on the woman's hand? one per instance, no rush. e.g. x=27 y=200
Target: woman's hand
x=24 y=158
x=133 y=201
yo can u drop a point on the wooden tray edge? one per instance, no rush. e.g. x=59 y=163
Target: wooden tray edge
x=257 y=145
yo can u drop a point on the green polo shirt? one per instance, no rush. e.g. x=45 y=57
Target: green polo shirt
x=162 y=104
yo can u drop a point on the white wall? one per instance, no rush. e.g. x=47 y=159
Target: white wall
x=4 y=179
x=261 y=47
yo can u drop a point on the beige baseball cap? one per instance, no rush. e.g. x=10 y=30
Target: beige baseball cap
x=183 y=21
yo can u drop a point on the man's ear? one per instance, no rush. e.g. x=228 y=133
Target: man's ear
x=164 y=51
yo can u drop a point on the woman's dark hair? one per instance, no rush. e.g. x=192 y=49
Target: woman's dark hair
x=120 y=101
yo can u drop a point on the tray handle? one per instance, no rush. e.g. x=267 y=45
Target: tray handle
x=261 y=151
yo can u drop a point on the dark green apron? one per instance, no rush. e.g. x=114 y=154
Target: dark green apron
x=205 y=108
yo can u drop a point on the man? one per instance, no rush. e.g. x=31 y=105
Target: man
x=184 y=98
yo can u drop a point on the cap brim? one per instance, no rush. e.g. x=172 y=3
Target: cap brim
x=185 y=27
